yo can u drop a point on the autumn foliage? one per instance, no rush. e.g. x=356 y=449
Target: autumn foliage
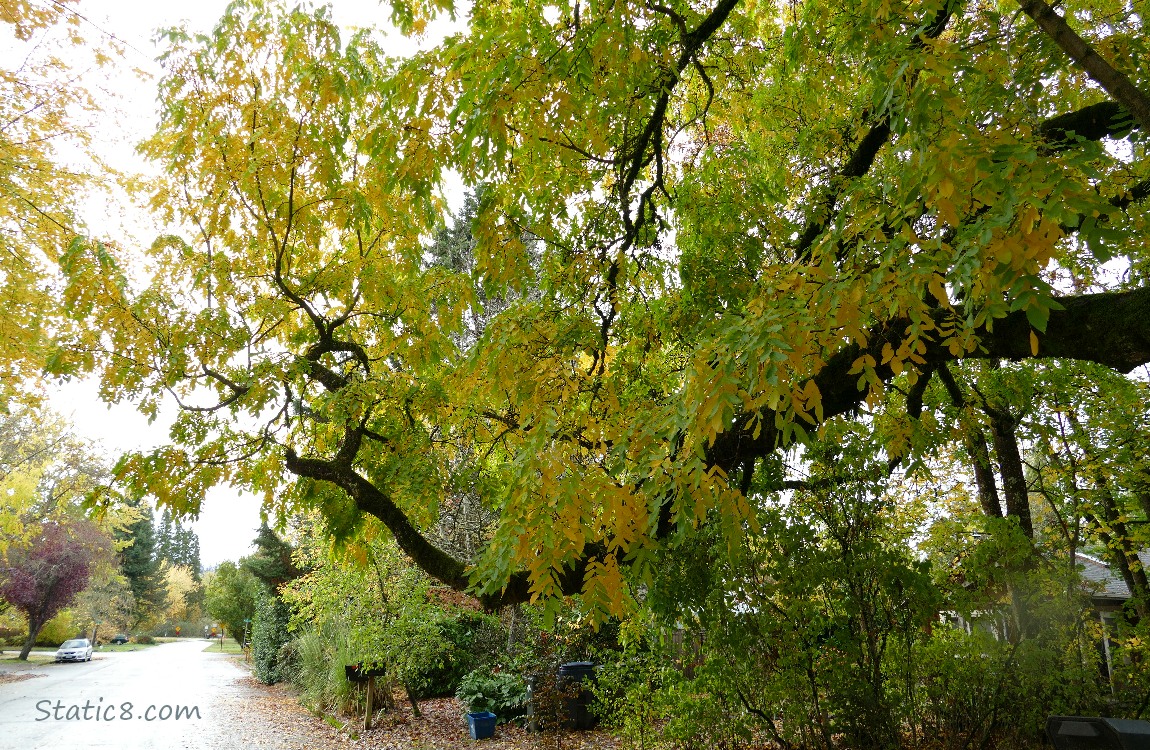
x=751 y=310
x=43 y=575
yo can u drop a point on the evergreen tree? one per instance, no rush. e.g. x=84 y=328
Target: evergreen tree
x=269 y=634
x=141 y=565
x=192 y=553
x=272 y=562
x=178 y=545
x=454 y=246
x=164 y=536
x=453 y=250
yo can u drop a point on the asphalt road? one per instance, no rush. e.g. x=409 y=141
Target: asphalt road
x=169 y=696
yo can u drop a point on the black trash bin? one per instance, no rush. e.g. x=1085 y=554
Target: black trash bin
x=573 y=680
x=1097 y=733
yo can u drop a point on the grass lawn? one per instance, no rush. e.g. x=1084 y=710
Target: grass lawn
x=111 y=648
x=39 y=655
x=230 y=646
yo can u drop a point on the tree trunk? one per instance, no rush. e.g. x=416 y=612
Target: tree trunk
x=1142 y=490
x=1113 y=531
x=983 y=474
x=413 y=701
x=1014 y=489
x=1112 y=81
x=511 y=628
x=34 y=628
x=975 y=443
x=1122 y=552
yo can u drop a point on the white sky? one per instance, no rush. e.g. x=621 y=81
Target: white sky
x=228 y=520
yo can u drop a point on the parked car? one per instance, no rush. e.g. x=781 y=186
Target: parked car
x=119 y=639
x=77 y=649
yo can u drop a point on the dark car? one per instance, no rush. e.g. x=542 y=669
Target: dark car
x=119 y=639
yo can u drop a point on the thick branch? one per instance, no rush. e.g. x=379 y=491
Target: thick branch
x=1092 y=123
x=865 y=152
x=330 y=379
x=370 y=499
x=1114 y=82
x=1110 y=328
x=652 y=131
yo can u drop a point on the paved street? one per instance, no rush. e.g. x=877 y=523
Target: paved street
x=169 y=696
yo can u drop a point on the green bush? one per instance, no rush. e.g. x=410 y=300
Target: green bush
x=145 y=639
x=502 y=693
x=629 y=695
x=975 y=690
x=467 y=641
x=269 y=634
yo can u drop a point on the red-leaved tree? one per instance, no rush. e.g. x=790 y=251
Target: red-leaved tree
x=44 y=574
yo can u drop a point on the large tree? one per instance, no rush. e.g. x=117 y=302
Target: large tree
x=43 y=575
x=45 y=471
x=178 y=545
x=274 y=561
x=231 y=595
x=142 y=567
x=752 y=218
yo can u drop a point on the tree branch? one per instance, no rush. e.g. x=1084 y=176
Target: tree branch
x=1109 y=328
x=1092 y=123
x=865 y=152
x=1114 y=82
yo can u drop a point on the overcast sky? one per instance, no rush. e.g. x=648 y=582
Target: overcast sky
x=228 y=521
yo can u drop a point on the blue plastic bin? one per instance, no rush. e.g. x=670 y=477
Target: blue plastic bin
x=481 y=724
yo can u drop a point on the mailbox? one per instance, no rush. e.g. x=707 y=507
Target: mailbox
x=356 y=673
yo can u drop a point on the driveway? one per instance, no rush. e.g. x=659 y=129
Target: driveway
x=169 y=696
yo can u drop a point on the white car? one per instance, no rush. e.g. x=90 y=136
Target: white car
x=77 y=649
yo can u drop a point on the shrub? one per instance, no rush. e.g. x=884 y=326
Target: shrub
x=466 y=641
x=502 y=693
x=145 y=639
x=269 y=634
x=57 y=630
x=977 y=690
x=628 y=696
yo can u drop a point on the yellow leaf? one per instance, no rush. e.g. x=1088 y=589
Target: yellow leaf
x=1033 y=344
x=938 y=289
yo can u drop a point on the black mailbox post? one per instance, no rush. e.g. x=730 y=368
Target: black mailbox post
x=1097 y=733
x=356 y=674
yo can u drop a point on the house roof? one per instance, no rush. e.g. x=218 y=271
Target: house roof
x=1104 y=582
